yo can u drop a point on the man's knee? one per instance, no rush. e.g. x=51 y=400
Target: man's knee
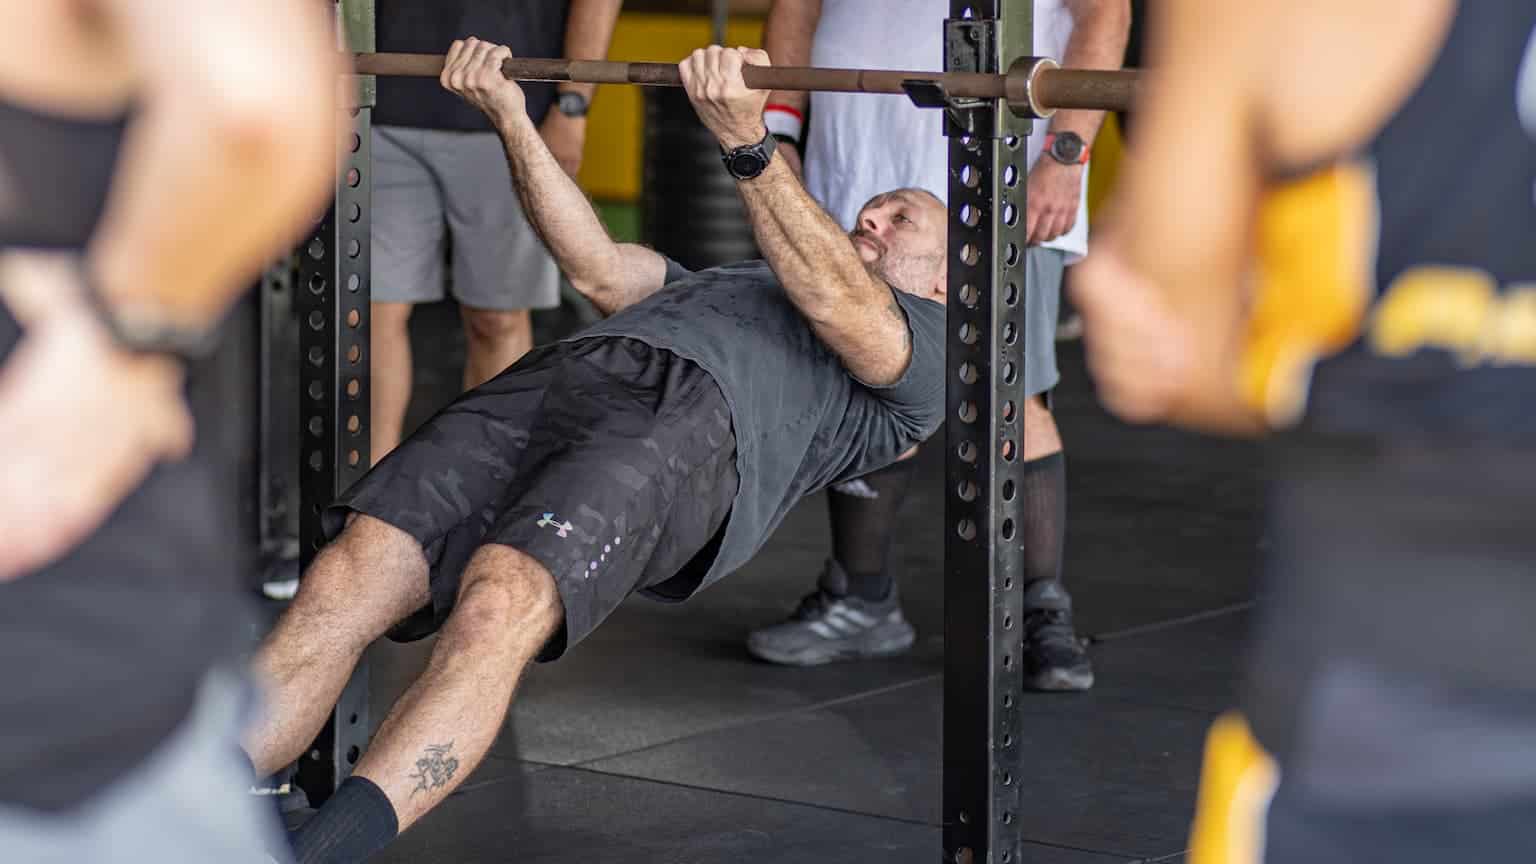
x=510 y=592
x=495 y=326
x=373 y=573
x=389 y=318
x=367 y=540
x=1035 y=410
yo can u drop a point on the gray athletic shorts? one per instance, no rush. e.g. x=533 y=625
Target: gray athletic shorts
x=186 y=804
x=429 y=185
x=1042 y=303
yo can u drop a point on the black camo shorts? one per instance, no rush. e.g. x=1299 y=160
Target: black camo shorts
x=610 y=462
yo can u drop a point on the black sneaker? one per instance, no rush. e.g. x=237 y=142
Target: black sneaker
x=832 y=625
x=1054 y=658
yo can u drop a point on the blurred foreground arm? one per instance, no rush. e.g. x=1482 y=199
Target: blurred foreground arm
x=227 y=160
x=1162 y=292
x=231 y=156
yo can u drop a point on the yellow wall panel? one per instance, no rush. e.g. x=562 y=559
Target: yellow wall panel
x=1106 y=164
x=615 y=131
x=610 y=168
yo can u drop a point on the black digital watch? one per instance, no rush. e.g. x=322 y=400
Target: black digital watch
x=750 y=160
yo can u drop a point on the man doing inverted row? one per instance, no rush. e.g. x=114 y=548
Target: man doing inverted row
x=654 y=452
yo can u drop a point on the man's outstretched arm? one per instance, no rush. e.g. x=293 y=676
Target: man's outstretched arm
x=852 y=312
x=611 y=275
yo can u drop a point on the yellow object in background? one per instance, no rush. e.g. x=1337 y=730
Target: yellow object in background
x=610 y=169
x=1237 y=782
x=1315 y=250
x=1105 y=167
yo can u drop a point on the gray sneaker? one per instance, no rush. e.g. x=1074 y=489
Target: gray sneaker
x=1054 y=658
x=832 y=625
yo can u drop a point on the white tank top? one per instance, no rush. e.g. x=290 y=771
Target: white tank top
x=860 y=145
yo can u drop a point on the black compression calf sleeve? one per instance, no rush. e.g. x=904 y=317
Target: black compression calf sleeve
x=863 y=512
x=1043 y=511
x=356 y=822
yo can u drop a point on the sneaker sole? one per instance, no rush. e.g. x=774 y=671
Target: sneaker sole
x=1061 y=681
x=886 y=646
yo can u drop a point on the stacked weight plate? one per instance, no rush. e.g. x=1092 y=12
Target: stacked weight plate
x=690 y=209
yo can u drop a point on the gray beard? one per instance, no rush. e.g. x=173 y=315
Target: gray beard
x=910 y=274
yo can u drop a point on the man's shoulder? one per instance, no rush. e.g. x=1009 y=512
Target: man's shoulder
x=748 y=268
x=753 y=270
x=921 y=310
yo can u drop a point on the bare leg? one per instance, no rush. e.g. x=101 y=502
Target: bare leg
x=390 y=362
x=438 y=732
x=370 y=578
x=1041 y=437
x=494 y=340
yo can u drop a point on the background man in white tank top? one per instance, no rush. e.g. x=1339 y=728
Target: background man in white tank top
x=858 y=144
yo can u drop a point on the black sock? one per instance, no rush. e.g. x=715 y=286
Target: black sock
x=863 y=514
x=356 y=822
x=1043 y=512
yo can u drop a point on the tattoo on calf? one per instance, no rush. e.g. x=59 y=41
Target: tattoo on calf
x=435 y=768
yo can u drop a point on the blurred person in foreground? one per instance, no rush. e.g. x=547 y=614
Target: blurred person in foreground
x=1340 y=249
x=148 y=169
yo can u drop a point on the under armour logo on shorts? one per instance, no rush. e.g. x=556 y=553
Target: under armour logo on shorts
x=562 y=529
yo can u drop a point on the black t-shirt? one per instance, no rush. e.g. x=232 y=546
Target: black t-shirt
x=1391 y=664
x=102 y=650
x=1437 y=227
x=531 y=28
x=802 y=422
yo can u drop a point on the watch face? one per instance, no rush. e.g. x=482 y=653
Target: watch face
x=571 y=104
x=1067 y=148
x=747 y=165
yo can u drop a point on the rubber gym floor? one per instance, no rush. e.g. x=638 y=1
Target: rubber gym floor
x=659 y=741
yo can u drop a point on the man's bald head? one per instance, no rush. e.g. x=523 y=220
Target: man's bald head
x=901 y=235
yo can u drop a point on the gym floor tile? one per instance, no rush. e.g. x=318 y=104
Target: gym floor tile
x=1193 y=665
x=1101 y=774
x=877 y=755
x=562 y=815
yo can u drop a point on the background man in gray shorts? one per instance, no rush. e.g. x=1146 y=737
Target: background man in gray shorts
x=440 y=176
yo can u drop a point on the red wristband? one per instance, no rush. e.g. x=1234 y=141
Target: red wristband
x=788 y=109
x=784 y=120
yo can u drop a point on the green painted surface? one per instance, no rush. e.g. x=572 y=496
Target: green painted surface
x=356 y=20
x=357 y=17
x=622 y=219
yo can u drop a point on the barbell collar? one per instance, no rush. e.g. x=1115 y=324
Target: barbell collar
x=1020 y=92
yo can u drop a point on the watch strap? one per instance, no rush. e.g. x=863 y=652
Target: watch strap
x=762 y=149
x=143 y=334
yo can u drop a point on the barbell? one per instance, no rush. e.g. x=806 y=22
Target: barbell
x=1032 y=86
